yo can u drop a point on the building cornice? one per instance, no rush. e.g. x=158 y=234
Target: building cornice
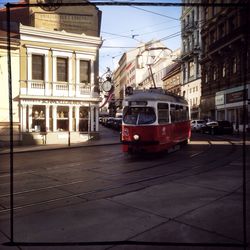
x=58 y=37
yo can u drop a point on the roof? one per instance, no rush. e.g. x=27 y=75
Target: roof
x=155 y=95
x=171 y=68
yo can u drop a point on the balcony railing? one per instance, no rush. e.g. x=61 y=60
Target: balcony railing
x=54 y=89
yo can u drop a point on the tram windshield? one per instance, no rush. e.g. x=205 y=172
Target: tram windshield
x=139 y=115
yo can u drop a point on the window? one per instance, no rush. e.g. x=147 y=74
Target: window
x=212 y=36
x=184 y=72
x=37 y=67
x=62 y=69
x=234 y=65
x=214 y=73
x=163 y=113
x=84 y=71
x=222 y=30
x=232 y=22
x=224 y=70
x=191 y=69
x=206 y=77
x=172 y=112
x=139 y=115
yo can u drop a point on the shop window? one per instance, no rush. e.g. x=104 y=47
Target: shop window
x=62 y=118
x=37 y=67
x=241 y=117
x=221 y=115
x=62 y=69
x=231 y=115
x=83 y=119
x=38 y=118
x=84 y=71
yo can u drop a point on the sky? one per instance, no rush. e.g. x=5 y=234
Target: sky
x=128 y=26
x=125 y=27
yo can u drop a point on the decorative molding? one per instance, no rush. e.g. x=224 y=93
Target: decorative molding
x=32 y=34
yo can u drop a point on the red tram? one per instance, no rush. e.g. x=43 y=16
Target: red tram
x=154 y=120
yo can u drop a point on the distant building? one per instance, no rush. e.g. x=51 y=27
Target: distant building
x=190 y=55
x=172 y=80
x=225 y=62
x=55 y=69
x=142 y=68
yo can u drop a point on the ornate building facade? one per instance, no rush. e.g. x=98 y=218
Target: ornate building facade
x=190 y=56
x=57 y=74
x=225 y=62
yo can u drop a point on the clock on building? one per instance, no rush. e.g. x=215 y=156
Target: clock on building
x=107 y=86
x=49 y=5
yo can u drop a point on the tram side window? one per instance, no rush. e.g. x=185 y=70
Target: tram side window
x=178 y=113
x=173 y=112
x=163 y=113
x=185 y=114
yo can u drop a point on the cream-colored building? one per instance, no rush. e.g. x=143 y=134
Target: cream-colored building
x=4 y=93
x=57 y=89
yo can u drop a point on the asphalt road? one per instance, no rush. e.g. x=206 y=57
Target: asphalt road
x=69 y=198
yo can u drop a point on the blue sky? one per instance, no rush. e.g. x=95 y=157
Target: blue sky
x=127 y=26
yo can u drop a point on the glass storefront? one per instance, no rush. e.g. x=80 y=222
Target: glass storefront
x=38 y=118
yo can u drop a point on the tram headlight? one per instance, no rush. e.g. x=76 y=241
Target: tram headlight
x=136 y=137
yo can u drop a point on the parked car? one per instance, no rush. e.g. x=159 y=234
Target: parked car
x=197 y=124
x=218 y=127
x=117 y=124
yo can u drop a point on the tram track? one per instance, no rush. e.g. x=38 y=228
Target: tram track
x=141 y=181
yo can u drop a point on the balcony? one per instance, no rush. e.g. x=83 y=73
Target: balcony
x=54 y=89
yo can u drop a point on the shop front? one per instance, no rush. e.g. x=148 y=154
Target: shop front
x=58 y=121
x=230 y=106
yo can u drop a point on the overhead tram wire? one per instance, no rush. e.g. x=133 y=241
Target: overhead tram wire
x=143 y=34
x=152 y=12
x=120 y=4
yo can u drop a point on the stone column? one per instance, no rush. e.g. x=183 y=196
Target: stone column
x=70 y=75
x=92 y=118
x=46 y=74
x=54 y=74
x=77 y=86
x=24 y=118
x=77 y=117
x=47 y=115
x=54 y=118
x=97 y=119
x=30 y=118
x=70 y=117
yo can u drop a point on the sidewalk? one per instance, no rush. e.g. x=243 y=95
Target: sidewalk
x=107 y=137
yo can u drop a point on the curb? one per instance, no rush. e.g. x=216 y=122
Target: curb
x=48 y=148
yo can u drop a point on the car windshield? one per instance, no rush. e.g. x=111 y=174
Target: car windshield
x=200 y=122
x=139 y=115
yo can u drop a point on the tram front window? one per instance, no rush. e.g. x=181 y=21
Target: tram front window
x=139 y=115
